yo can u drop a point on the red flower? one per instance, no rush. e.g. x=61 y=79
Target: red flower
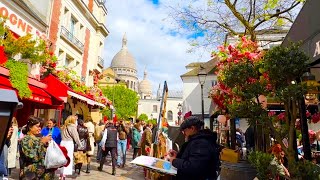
x=308 y=114
x=3 y=56
x=315 y=118
x=271 y=113
x=269 y=87
x=281 y=116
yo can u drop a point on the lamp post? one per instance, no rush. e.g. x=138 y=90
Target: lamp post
x=8 y=104
x=202 y=75
x=179 y=113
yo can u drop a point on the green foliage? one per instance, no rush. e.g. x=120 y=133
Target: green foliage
x=305 y=170
x=72 y=80
x=106 y=112
x=261 y=161
x=153 y=121
x=19 y=77
x=125 y=100
x=285 y=64
x=143 y=117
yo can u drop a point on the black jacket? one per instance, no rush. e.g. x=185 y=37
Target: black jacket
x=112 y=133
x=197 y=158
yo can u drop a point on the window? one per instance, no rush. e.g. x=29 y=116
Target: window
x=155 y=109
x=131 y=85
x=68 y=60
x=170 y=115
x=214 y=82
x=73 y=25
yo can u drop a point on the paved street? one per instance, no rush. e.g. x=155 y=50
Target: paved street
x=128 y=172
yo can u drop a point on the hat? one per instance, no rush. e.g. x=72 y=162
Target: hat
x=191 y=121
x=65 y=153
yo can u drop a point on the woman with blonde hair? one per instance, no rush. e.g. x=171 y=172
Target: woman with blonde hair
x=70 y=140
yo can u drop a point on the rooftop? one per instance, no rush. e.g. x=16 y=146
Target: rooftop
x=208 y=66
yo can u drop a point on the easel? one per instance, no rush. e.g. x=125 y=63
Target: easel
x=159 y=148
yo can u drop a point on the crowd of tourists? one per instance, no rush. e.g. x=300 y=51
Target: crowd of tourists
x=77 y=139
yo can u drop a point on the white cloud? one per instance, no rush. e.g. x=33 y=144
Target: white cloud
x=149 y=41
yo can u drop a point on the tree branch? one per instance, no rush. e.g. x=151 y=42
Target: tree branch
x=276 y=14
x=235 y=2
x=242 y=19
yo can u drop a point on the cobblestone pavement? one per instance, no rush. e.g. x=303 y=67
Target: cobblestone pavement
x=130 y=172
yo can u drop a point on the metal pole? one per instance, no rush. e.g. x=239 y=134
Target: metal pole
x=202 y=103
x=304 y=129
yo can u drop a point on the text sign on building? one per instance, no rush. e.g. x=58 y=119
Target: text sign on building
x=17 y=24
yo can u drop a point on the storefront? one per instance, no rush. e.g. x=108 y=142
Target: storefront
x=74 y=102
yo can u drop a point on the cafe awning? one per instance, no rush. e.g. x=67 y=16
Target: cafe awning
x=61 y=90
x=38 y=94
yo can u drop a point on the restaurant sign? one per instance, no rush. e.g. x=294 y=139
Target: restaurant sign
x=18 y=24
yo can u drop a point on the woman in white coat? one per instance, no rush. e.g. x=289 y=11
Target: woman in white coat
x=89 y=124
x=69 y=136
x=13 y=149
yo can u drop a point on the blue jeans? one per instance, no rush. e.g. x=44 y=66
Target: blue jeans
x=122 y=148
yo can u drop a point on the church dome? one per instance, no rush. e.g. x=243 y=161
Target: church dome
x=145 y=86
x=123 y=59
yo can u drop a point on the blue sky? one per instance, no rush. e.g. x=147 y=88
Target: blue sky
x=152 y=40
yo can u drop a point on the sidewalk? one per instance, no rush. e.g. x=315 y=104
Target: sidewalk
x=130 y=172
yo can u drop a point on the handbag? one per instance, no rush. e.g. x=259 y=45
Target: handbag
x=75 y=145
x=229 y=155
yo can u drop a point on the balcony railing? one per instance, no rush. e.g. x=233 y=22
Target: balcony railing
x=73 y=40
x=100 y=62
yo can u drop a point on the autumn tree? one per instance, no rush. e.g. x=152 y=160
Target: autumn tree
x=213 y=19
x=125 y=101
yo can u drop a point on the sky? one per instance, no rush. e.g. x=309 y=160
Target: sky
x=152 y=40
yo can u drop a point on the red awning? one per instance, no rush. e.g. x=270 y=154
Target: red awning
x=56 y=88
x=61 y=90
x=38 y=95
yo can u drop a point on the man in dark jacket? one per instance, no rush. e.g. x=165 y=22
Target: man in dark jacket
x=197 y=158
x=109 y=143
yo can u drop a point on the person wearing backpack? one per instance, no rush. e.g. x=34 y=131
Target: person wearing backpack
x=198 y=157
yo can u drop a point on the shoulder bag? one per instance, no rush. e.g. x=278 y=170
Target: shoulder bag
x=75 y=149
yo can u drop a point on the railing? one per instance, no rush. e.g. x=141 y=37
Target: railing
x=100 y=62
x=68 y=35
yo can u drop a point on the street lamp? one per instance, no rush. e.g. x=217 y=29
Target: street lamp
x=202 y=74
x=8 y=104
x=151 y=116
x=179 y=113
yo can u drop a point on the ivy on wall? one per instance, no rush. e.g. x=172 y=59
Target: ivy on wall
x=19 y=77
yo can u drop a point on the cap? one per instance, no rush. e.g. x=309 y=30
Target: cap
x=191 y=121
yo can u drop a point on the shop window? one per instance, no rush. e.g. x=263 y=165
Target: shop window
x=67 y=111
x=170 y=115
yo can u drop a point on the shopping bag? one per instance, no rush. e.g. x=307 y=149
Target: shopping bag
x=54 y=156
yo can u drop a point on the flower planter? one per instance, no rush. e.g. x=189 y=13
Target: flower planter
x=236 y=171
